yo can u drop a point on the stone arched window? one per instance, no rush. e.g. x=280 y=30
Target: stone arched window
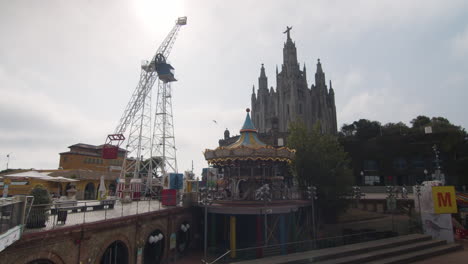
x=116 y=253
x=154 y=247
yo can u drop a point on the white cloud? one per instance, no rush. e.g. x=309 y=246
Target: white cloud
x=459 y=44
x=383 y=103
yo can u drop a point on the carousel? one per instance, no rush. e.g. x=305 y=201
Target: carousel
x=255 y=201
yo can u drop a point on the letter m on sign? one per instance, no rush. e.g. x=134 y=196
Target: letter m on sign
x=444 y=199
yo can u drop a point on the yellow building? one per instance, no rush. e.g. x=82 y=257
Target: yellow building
x=89 y=157
x=57 y=182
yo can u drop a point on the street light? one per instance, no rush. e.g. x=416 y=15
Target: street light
x=263 y=194
x=425 y=174
x=206 y=198
x=312 y=196
x=391 y=202
x=8 y=159
x=418 y=194
x=357 y=195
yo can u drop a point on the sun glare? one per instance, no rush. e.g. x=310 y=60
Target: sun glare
x=157 y=11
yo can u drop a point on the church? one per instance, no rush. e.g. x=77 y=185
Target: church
x=293 y=100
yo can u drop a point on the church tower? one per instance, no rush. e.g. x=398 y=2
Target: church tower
x=273 y=110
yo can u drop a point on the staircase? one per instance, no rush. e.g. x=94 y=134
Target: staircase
x=401 y=249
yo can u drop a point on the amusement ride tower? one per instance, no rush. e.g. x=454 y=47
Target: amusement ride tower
x=150 y=146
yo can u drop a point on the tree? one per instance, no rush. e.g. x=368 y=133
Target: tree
x=38 y=214
x=366 y=129
x=420 y=121
x=321 y=161
x=399 y=128
x=348 y=130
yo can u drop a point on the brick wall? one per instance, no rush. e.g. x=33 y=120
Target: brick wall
x=87 y=243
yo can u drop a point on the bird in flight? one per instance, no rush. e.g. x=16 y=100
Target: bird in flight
x=214 y=121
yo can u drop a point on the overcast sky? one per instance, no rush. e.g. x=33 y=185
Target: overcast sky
x=68 y=68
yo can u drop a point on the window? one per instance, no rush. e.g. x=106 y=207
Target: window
x=65 y=159
x=372 y=180
x=300 y=109
x=370 y=165
x=399 y=163
x=418 y=163
x=287 y=109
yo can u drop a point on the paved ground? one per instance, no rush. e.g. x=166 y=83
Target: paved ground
x=455 y=257
x=119 y=210
x=193 y=258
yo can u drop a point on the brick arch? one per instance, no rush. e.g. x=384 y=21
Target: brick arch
x=150 y=229
x=118 y=237
x=165 y=241
x=48 y=255
x=180 y=221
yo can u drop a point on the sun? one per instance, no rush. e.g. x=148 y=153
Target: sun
x=153 y=12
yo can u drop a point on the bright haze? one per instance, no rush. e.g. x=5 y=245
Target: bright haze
x=68 y=68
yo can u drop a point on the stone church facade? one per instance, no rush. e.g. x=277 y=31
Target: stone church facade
x=293 y=100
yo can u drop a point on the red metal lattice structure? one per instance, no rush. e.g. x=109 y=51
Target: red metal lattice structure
x=110 y=150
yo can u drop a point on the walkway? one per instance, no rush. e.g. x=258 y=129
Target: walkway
x=119 y=210
x=451 y=258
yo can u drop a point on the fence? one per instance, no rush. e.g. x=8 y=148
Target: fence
x=330 y=235
x=68 y=213
x=11 y=214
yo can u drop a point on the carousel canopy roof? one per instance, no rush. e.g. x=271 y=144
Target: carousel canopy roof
x=248 y=137
x=248 y=147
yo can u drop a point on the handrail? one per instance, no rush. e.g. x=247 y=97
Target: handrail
x=227 y=252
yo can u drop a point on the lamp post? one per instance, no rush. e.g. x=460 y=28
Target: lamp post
x=8 y=159
x=206 y=199
x=391 y=202
x=425 y=174
x=357 y=195
x=263 y=193
x=418 y=194
x=437 y=174
x=362 y=177
x=312 y=195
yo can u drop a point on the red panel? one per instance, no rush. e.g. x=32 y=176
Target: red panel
x=168 y=197
x=110 y=152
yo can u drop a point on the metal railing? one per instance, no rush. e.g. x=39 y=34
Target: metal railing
x=11 y=214
x=68 y=213
x=331 y=236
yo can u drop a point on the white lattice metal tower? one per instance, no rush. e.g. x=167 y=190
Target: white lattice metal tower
x=150 y=145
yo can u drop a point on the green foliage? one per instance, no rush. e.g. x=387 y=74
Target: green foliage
x=41 y=195
x=321 y=161
x=392 y=129
x=361 y=129
x=420 y=121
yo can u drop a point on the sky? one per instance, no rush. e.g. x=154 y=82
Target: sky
x=68 y=68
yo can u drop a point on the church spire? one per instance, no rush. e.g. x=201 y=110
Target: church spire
x=290 y=54
x=262 y=72
x=319 y=76
x=319 y=66
x=262 y=80
x=304 y=72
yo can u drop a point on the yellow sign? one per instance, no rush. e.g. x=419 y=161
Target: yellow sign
x=445 y=201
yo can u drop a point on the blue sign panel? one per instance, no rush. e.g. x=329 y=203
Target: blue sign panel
x=176 y=181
